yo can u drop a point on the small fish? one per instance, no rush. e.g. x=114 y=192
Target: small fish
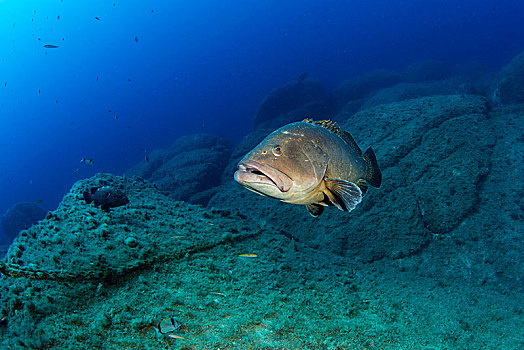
x=49 y=46
x=75 y=171
x=146 y=157
x=116 y=116
x=176 y=337
x=38 y=201
x=105 y=197
x=248 y=255
x=39 y=91
x=97 y=18
x=315 y=164
x=87 y=161
x=136 y=39
x=58 y=17
x=218 y=293
x=303 y=76
x=168 y=325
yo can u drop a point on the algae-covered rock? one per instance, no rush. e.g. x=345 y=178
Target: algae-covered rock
x=19 y=217
x=150 y=227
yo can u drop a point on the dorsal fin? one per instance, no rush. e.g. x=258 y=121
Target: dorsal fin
x=326 y=124
x=335 y=129
x=346 y=136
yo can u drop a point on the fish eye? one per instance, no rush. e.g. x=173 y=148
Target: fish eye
x=277 y=150
x=263 y=152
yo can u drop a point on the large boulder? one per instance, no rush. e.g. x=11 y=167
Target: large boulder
x=308 y=94
x=19 y=217
x=189 y=169
x=509 y=85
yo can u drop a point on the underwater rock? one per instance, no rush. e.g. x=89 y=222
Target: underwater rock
x=307 y=94
x=189 y=167
x=152 y=227
x=20 y=217
x=427 y=70
x=509 y=85
x=363 y=86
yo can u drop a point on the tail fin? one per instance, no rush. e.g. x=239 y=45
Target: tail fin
x=373 y=174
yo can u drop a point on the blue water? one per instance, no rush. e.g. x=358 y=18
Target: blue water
x=170 y=68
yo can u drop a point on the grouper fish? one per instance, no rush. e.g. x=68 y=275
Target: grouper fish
x=315 y=164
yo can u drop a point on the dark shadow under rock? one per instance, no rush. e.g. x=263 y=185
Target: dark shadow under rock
x=192 y=165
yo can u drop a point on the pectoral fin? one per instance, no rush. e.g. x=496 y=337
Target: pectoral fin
x=314 y=209
x=343 y=194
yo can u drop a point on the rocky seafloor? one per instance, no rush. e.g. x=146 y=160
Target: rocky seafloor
x=431 y=260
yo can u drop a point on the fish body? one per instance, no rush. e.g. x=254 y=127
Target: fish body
x=105 y=197
x=310 y=163
x=88 y=161
x=49 y=46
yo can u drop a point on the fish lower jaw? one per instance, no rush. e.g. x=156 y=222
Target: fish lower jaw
x=253 y=174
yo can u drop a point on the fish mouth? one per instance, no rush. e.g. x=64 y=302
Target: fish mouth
x=251 y=172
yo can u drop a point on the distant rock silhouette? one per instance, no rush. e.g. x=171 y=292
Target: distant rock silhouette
x=509 y=86
x=190 y=167
x=427 y=70
x=363 y=86
x=309 y=95
x=19 y=217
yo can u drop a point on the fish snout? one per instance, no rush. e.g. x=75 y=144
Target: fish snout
x=251 y=173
